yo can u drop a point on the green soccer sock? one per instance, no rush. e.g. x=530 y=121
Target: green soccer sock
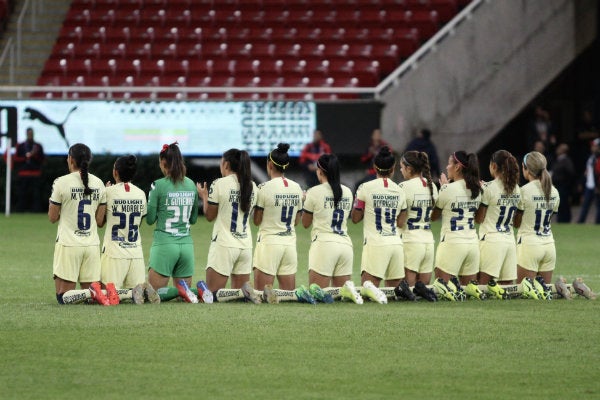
x=168 y=293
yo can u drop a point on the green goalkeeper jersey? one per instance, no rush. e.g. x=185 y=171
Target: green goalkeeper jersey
x=174 y=207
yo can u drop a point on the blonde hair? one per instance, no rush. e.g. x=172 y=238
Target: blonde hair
x=536 y=163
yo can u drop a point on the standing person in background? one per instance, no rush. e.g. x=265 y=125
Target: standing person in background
x=173 y=206
x=28 y=161
x=591 y=192
x=229 y=203
x=563 y=176
x=499 y=201
x=77 y=202
x=376 y=144
x=382 y=204
x=457 y=254
x=536 y=253
x=309 y=156
x=423 y=143
x=421 y=195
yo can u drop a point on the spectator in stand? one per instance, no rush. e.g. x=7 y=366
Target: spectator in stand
x=376 y=144
x=309 y=156
x=592 y=183
x=28 y=162
x=563 y=176
x=541 y=129
x=423 y=143
x=587 y=130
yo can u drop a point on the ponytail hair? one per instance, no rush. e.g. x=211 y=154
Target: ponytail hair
x=384 y=161
x=279 y=157
x=536 y=163
x=508 y=167
x=419 y=162
x=126 y=167
x=82 y=155
x=174 y=162
x=469 y=165
x=239 y=162
x=328 y=163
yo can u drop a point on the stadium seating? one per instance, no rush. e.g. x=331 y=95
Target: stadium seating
x=239 y=43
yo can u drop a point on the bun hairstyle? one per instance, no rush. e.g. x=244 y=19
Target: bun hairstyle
x=239 y=162
x=384 y=161
x=279 y=157
x=126 y=166
x=508 y=167
x=329 y=165
x=82 y=155
x=469 y=165
x=536 y=163
x=174 y=162
x=419 y=162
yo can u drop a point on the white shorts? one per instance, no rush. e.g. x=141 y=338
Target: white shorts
x=229 y=260
x=330 y=258
x=537 y=257
x=76 y=263
x=384 y=262
x=418 y=257
x=458 y=259
x=498 y=259
x=276 y=259
x=123 y=272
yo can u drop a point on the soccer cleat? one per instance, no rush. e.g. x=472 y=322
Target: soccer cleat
x=372 y=292
x=562 y=289
x=529 y=290
x=304 y=295
x=583 y=290
x=472 y=290
x=421 y=290
x=459 y=292
x=250 y=294
x=137 y=294
x=348 y=291
x=185 y=292
x=269 y=295
x=205 y=295
x=111 y=294
x=319 y=294
x=97 y=295
x=402 y=291
x=543 y=290
x=496 y=291
x=443 y=290
x=150 y=293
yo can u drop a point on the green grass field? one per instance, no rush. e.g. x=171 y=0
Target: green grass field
x=508 y=349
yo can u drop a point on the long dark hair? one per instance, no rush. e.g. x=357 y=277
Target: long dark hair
x=82 y=155
x=279 y=157
x=174 y=162
x=419 y=162
x=469 y=166
x=239 y=162
x=126 y=167
x=507 y=165
x=384 y=161
x=328 y=163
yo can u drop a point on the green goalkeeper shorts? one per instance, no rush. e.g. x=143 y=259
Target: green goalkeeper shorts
x=175 y=260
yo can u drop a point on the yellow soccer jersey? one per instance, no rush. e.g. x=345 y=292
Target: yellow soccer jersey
x=231 y=226
x=77 y=223
x=329 y=223
x=535 y=225
x=280 y=199
x=458 y=213
x=419 y=204
x=125 y=207
x=501 y=207
x=383 y=201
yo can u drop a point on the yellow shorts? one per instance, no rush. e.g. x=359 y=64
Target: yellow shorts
x=229 y=260
x=384 y=262
x=537 y=257
x=330 y=258
x=76 y=263
x=458 y=259
x=123 y=272
x=498 y=259
x=418 y=257
x=276 y=259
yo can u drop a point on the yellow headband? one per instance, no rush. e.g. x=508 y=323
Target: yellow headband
x=279 y=165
